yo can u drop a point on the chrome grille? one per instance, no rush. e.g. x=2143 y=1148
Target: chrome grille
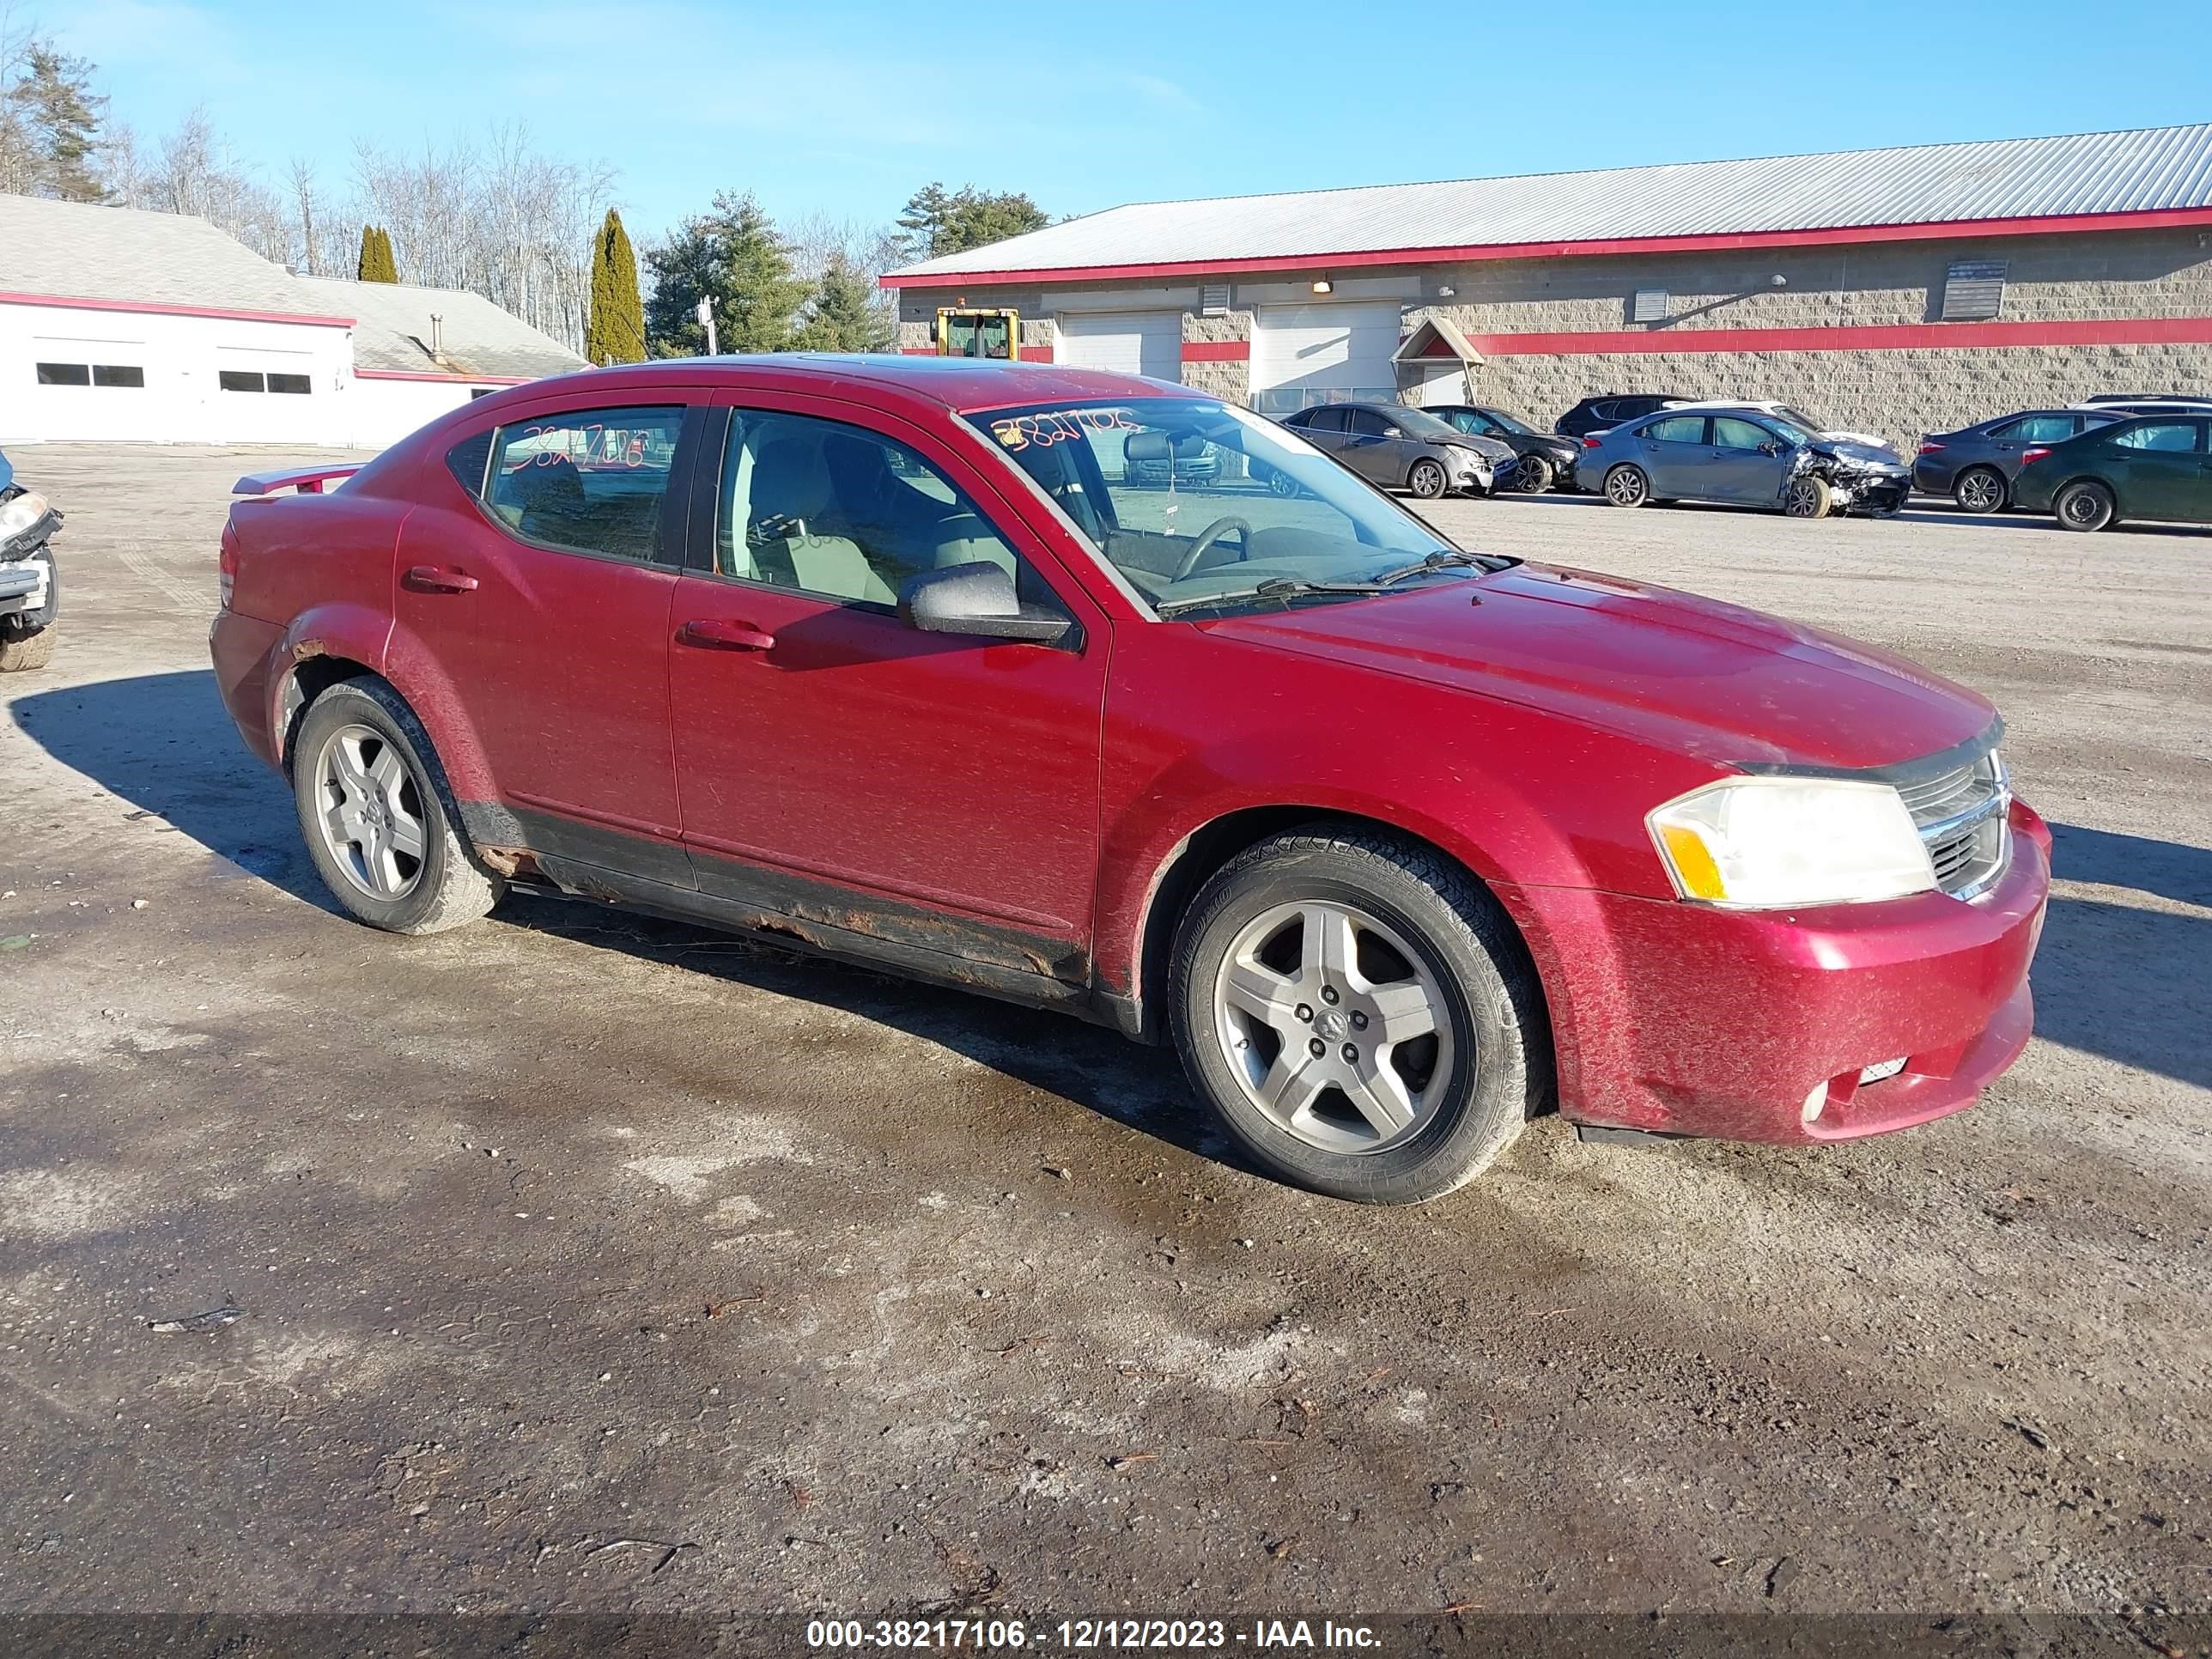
x=1961 y=816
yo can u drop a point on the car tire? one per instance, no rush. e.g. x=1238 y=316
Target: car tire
x=1808 y=497
x=1426 y=479
x=1979 y=489
x=1398 y=933
x=1532 y=475
x=1627 y=485
x=1281 y=483
x=2085 y=505
x=27 y=640
x=379 y=817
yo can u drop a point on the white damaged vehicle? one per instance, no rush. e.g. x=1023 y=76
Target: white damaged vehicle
x=30 y=588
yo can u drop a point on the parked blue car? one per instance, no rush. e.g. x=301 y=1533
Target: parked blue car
x=1742 y=456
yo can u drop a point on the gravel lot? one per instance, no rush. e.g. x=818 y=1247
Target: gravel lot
x=568 y=1231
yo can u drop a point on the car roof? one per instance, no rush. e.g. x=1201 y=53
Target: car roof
x=956 y=384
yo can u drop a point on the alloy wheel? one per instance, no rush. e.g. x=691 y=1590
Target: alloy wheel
x=1334 y=1026
x=1625 y=486
x=1533 y=474
x=1428 y=480
x=370 y=812
x=1980 y=491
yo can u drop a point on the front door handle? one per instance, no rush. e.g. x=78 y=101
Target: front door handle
x=717 y=636
x=433 y=578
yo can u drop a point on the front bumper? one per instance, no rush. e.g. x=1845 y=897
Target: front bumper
x=1876 y=493
x=1686 y=1019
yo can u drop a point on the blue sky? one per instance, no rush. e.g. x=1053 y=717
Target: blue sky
x=845 y=108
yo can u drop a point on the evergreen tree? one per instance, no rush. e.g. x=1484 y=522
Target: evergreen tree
x=58 y=117
x=615 y=333
x=843 y=315
x=733 y=259
x=938 y=221
x=376 y=264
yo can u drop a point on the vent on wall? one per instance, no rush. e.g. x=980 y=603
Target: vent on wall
x=1974 y=290
x=1648 y=306
x=1213 y=299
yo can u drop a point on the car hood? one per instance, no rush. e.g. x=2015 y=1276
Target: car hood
x=1858 y=447
x=1694 y=675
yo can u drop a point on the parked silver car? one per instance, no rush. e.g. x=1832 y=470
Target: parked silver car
x=1403 y=448
x=1743 y=455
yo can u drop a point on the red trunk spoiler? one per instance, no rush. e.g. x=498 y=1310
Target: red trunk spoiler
x=306 y=481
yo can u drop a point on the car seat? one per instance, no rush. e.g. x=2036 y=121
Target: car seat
x=791 y=528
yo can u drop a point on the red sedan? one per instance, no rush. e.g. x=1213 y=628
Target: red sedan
x=1105 y=696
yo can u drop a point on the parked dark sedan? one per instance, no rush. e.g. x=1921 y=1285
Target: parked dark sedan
x=2159 y=467
x=1975 y=466
x=1541 y=459
x=1600 y=413
x=1400 y=447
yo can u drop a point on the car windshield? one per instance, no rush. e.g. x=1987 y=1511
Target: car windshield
x=1790 y=431
x=1511 y=424
x=1798 y=417
x=1197 y=503
x=1419 y=423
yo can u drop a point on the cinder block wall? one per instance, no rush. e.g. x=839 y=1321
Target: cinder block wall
x=1897 y=393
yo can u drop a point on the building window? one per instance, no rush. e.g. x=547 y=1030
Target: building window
x=293 y=383
x=239 y=380
x=119 y=374
x=64 y=374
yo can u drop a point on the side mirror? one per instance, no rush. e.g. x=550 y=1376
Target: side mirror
x=1394 y=431
x=1771 y=447
x=976 y=598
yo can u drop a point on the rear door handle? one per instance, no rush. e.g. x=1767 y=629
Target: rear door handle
x=432 y=579
x=717 y=636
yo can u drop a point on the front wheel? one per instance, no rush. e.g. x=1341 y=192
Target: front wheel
x=1626 y=486
x=2084 y=506
x=1532 y=475
x=1360 y=1014
x=1427 y=480
x=1808 y=497
x=380 y=822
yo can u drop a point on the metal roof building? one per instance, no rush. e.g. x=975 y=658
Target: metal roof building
x=119 y=324
x=1894 y=287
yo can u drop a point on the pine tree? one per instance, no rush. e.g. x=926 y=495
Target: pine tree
x=732 y=258
x=615 y=333
x=59 y=117
x=938 y=221
x=843 y=315
x=376 y=264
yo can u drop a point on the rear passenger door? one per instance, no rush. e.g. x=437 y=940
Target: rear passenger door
x=937 y=791
x=543 y=601
x=1674 y=453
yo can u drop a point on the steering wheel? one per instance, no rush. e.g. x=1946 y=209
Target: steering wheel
x=1207 y=538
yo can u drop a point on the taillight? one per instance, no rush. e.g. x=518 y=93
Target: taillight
x=1931 y=449
x=2028 y=455
x=226 y=565
x=1589 y=443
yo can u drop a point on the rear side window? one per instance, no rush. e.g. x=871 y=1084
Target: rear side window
x=585 y=481
x=2171 y=436
x=1679 y=429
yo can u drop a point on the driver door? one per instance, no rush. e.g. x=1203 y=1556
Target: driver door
x=1741 y=469
x=837 y=765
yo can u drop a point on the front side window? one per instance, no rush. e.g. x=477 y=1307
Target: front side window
x=2038 y=428
x=1366 y=424
x=585 y=481
x=1677 y=429
x=1196 y=502
x=847 y=515
x=1731 y=433
x=2170 y=436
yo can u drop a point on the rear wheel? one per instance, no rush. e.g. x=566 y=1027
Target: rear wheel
x=1627 y=486
x=1808 y=497
x=2086 y=505
x=1427 y=480
x=1532 y=475
x=1358 y=1013
x=1979 y=489
x=380 y=822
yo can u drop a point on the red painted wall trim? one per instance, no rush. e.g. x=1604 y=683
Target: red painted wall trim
x=151 y=308
x=1031 y=354
x=2150 y=219
x=453 y=380
x=1899 y=336
x=1216 y=351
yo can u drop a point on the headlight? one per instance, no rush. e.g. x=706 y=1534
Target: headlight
x=1763 y=843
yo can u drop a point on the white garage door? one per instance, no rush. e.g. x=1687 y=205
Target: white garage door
x=1307 y=353
x=1125 y=342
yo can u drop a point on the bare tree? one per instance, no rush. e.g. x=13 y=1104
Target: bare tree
x=303 y=197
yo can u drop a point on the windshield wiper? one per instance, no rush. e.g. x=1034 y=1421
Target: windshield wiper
x=1275 y=587
x=1443 y=559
